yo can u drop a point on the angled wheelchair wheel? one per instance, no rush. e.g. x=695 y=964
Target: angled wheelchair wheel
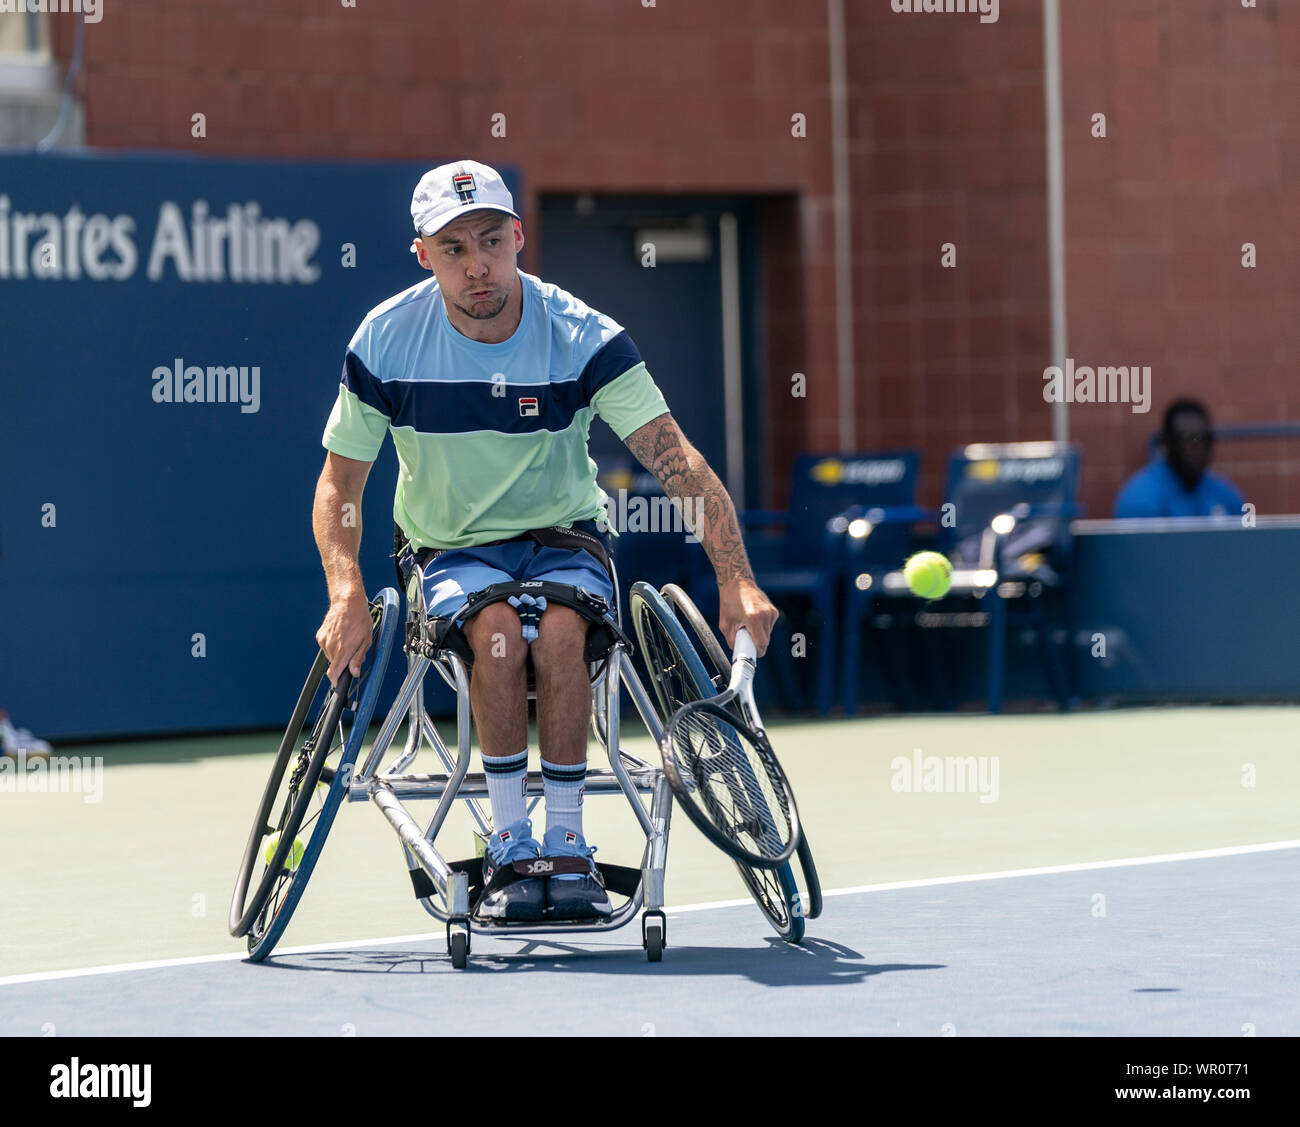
x=671 y=652
x=676 y=674
x=716 y=662
x=308 y=782
x=775 y=891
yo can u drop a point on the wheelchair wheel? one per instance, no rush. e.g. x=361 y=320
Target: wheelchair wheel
x=458 y=948
x=307 y=784
x=675 y=671
x=717 y=663
x=680 y=676
x=774 y=890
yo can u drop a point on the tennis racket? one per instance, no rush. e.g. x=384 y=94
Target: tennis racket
x=725 y=775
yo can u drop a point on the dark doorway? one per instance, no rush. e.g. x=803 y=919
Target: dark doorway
x=593 y=246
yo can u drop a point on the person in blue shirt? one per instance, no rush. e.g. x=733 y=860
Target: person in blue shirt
x=1180 y=484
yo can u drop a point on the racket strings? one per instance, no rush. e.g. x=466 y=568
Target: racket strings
x=732 y=780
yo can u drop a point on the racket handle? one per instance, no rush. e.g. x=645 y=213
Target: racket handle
x=745 y=650
x=744 y=660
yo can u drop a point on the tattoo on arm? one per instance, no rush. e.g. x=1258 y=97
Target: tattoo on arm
x=666 y=452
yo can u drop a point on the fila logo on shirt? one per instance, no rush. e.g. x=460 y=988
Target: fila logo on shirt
x=528 y=405
x=463 y=182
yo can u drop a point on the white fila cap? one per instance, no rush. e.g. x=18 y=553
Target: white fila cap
x=452 y=190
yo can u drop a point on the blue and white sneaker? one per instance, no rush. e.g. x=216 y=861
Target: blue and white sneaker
x=509 y=894
x=574 y=896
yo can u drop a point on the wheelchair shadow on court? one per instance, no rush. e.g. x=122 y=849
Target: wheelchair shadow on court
x=814 y=962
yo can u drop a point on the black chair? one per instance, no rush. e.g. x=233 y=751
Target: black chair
x=802 y=552
x=1006 y=529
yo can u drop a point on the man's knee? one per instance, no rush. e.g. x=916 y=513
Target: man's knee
x=496 y=638
x=561 y=637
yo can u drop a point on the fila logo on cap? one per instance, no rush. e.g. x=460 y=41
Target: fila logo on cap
x=464 y=184
x=528 y=405
x=451 y=190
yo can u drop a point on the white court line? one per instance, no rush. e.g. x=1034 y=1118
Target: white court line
x=1046 y=870
x=193 y=960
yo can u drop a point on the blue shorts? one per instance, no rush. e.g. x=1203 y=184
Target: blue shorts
x=455 y=573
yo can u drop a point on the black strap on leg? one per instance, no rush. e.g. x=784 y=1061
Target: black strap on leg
x=603 y=632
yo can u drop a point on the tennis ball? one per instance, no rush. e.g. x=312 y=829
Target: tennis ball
x=928 y=574
x=295 y=854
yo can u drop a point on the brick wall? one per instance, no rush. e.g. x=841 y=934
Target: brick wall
x=1202 y=105
x=947 y=145
x=599 y=96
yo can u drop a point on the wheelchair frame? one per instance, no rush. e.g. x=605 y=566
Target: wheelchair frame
x=442 y=887
x=626 y=775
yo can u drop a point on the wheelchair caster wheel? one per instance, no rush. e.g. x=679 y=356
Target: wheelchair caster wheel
x=654 y=935
x=458 y=945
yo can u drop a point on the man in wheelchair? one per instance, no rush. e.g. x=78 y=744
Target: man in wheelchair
x=487 y=378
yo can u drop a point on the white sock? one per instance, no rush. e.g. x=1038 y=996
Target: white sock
x=563 y=784
x=507 y=778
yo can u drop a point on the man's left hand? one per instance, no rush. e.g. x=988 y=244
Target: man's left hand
x=742 y=603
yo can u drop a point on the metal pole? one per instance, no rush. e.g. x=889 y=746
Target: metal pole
x=1055 y=203
x=732 y=376
x=843 y=226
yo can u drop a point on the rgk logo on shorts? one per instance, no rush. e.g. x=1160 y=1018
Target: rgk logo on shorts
x=541 y=865
x=528 y=405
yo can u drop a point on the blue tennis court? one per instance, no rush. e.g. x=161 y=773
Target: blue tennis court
x=1201 y=946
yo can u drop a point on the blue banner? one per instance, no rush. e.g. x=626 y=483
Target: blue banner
x=174 y=331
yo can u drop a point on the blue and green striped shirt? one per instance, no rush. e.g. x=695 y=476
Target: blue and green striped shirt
x=491 y=438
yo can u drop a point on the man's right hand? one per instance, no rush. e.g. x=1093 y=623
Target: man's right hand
x=345 y=635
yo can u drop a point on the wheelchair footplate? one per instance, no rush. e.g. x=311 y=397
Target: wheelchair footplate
x=621 y=880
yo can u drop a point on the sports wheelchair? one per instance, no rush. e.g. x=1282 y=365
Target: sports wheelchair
x=315 y=768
